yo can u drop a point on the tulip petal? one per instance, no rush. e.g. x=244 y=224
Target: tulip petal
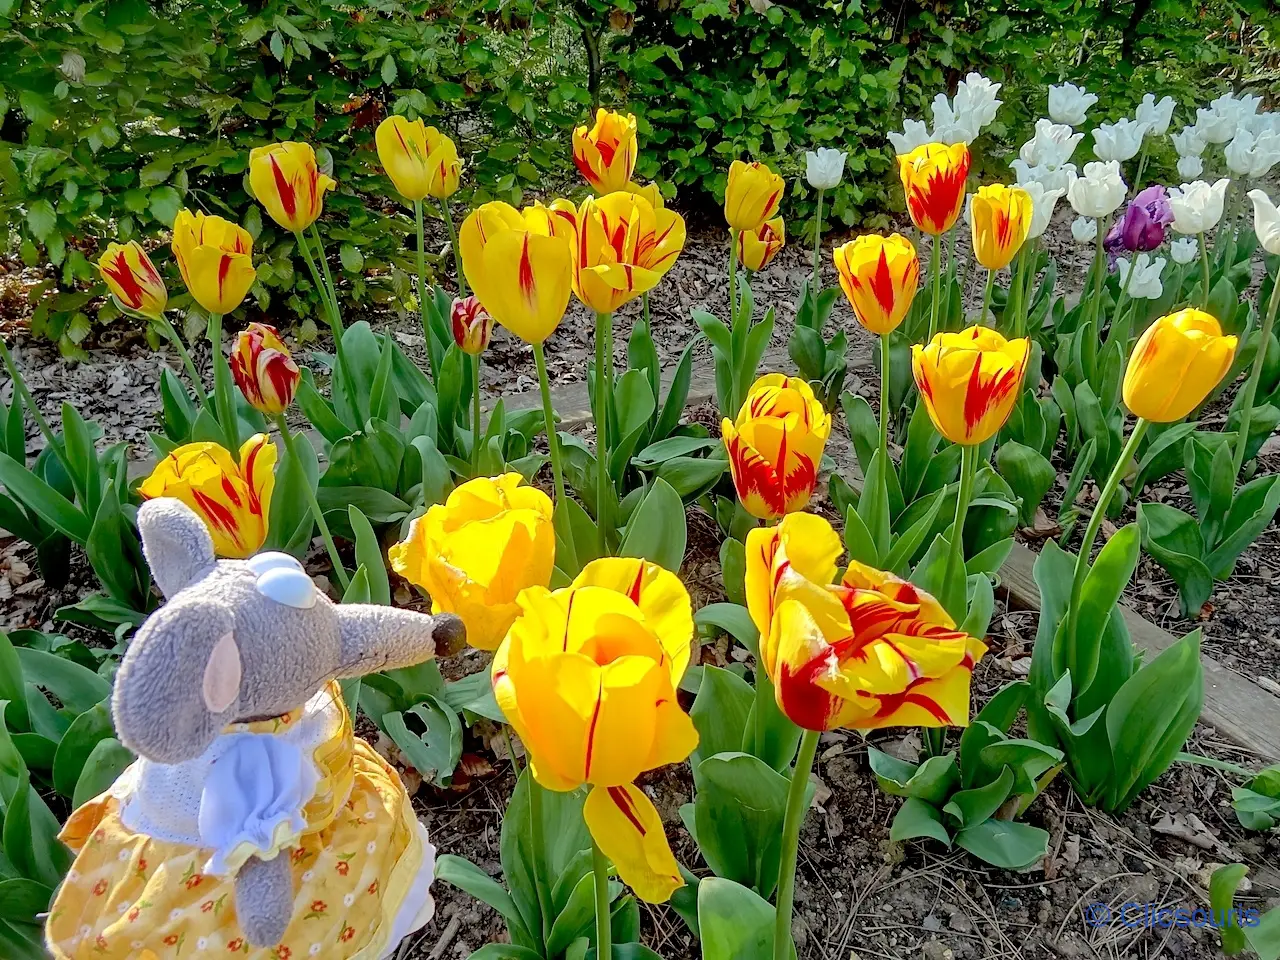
x=803 y=542
x=625 y=825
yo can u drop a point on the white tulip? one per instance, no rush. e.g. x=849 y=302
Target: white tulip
x=1215 y=127
x=1051 y=178
x=1069 y=104
x=976 y=98
x=1189 y=141
x=951 y=126
x=1145 y=284
x=1266 y=222
x=1118 y=141
x=1099 y=191
x=1084 y=230
x=1225 y=115
x=1197 y=206
x=1042 y=205
x=1252 y=157
x=1157 y=116
x=1263 y=122
x=824 y=168
x=1184 y=250
x=914 y=134
x=1051 y=146
x=1190 y=168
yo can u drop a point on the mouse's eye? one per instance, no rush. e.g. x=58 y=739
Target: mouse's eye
x=289 y=586
x=272 y=560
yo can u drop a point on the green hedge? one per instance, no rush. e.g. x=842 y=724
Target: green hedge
x=117 y=113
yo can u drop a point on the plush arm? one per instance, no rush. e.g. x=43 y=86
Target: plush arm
x=264 y=899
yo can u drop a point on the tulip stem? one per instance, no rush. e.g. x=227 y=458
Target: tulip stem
x=172 y=335
x=817 y=242
x=224 y=403
x=604 y=930
x=1095 y=520
x=1099 y=271
x=537 y=839
x=1251 y=385
x=604 y=374
x=312 y=502
x=968 y=471
x=422 y=291
x=328 y=279
x=20 y=386
x=1204 y=265
x=796 y=809
x=733 y=277
x=453 y=244
x=884 y=400
x=986 y=299
x=935 y=267
x=475 y=414
x=1142 y=166
x=553 y=445
x=335 y=323
x=511 y=750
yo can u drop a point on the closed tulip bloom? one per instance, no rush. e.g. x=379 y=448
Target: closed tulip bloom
x=519 y=263
x=757 y=247
x=133 y=279
x=605 y=153
x=1099 y=191
x=1266 y=222
x=1189 y=141
x=1043 y=202
x=1142 y=227
x=824 y=167
x=970 y=381
x=1068 y=104
x=1197 y=206
x=420 y=160
x=287 y=181
x=873 y=651
x=1175 y=364
x=879 y=277
x=933 y=179
x=587 y=677
x=1190 y=168
x=233 y=499
x=263 y=369
x=775 y=445
x=622 y=248
x=471 y=325
x=752 y=195
x=1001 y=219
x=1184 y=250
x=1084 y=229
x=1156 y=116
x=215 y=258
x=474 y=553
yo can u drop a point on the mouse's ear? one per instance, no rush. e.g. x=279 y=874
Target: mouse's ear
x=176 y=542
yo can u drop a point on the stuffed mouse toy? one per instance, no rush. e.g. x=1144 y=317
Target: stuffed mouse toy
x=254 y=823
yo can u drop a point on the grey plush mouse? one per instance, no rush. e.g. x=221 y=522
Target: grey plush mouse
x=253 y=818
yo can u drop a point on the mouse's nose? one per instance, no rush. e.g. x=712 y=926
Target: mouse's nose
x=449 y=634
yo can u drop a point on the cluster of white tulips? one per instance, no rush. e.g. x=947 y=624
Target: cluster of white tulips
x=955 y=120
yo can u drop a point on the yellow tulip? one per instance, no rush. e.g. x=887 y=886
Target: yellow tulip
x=622 y=247
x=475 y=552
x=757 y=247
x=133 y=279
x=587 y=676
x=263 y=369
x=870 y=652
x=234 y=500
x=1001 y=218
x=775 y=445
x=215 y=258
x=752 y=195
x=933 y=179
x=970 y=381
x=879 y=277
x=1175 y=364
x=287 y=181
x=649 y=191
x=519 y=263
x=605 y=154
x=420 y=160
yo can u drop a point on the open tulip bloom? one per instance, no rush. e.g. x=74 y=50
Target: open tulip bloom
x=1197 y=208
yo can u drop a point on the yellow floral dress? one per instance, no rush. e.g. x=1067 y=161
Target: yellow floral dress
x=361 y=861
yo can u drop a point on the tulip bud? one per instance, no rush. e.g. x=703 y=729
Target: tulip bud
x=1001 y=218
x=879 y=277
x=263 y=369
x=471 y=325
x=1084 y=229
x=1184 y=250
x=970 y=381
x=133 y=279
x=1175 y=364
x=757 y=247
x=288 y=183
x=215 y=258
x=751 y=196
x=605 y=153
x=824 y=168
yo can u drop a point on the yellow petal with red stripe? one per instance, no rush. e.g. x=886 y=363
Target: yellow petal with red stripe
x=1001 y=219
x=626 y=827
x=970 y=381
x=751 y=195
x=286 y=180
x=933 y=180
x=803 y=542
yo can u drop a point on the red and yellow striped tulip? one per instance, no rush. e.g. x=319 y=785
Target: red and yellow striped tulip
x=622 y=247
x=757 y=247
x=879 y=277
x=587 y=677
x=933 y=179
x=474 y=553
x=775 y=445
x=970 y=381
x=133 y=279
x=471 y=324
x=1175 y=364
x=752 y=195
x=605 y=153
x=519 y=264
x=233 y=499
x=263 y=369
x=870 y=652
x=1001 y=217
x=215 y=258
x=420 y=160
x=288 y=183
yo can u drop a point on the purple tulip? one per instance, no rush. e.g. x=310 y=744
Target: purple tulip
x=1142 y=228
